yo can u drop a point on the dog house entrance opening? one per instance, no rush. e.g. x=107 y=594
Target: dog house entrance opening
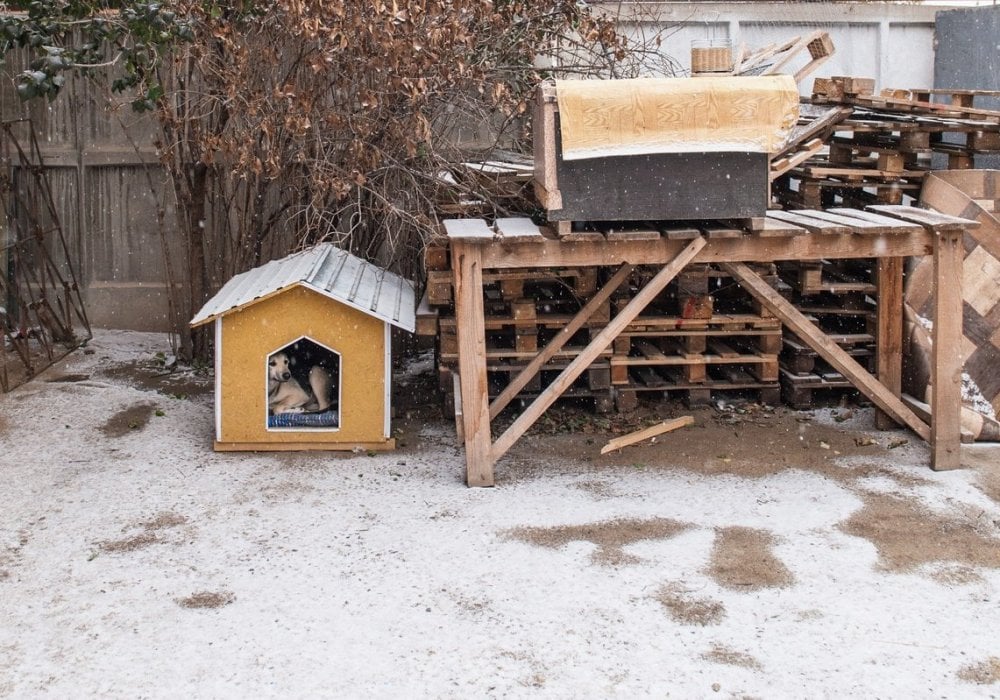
x=303 y=386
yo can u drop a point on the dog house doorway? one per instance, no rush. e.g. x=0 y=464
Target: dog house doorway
x=303 y=387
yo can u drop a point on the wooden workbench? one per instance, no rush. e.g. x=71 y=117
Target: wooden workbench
x=888 y=233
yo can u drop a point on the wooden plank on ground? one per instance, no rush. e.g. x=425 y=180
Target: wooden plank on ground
x=827 y=349
x=650 y=432
x=595 y=348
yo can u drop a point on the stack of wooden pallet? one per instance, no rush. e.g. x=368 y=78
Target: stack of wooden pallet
x=701 y=336
x=851 y=149
x=854 y=148
x=524 y=310
x=879 y=150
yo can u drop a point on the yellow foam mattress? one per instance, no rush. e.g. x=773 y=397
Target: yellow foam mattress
x=601 y=118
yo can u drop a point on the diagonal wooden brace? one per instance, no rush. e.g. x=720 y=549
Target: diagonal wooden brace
x=595 y=348
x=556 y=344
x=827 y=349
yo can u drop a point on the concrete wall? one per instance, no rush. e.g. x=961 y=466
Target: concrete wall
x=892 y=43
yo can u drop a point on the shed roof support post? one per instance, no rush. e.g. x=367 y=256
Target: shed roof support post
x=946 y=353
x=471 y=326
x=889 y=331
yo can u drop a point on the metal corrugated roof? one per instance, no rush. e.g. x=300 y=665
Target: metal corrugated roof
x=329 y=271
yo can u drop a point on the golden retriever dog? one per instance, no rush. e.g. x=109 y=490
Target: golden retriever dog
x=286 y=395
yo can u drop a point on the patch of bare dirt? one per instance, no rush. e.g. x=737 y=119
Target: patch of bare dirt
x=907 y=535
x=163 y=520
x=151 y=375
x=4 y=426
x=611 y=537
x=598 y=489
x=984 y=673
x=721 y=654
x=206 y=599
x=988 y=482
x=690 y=610
x=67 y=378
x=957 y=576
x=743 y=560
x=752 y=442
x=11 y=555
x=17 y=373
x=130 y=544
x=135 y=417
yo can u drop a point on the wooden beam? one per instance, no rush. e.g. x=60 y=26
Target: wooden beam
x=556 y=344
x=469 y=313
x=650 y=432
x=946 y=351
x=889 y=331
x=827 y=349
x=595 y=348
x=916 y=241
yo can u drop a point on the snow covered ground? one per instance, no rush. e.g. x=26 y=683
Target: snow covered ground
x=136 y=562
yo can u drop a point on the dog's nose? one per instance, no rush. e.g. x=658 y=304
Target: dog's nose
x=285 y=376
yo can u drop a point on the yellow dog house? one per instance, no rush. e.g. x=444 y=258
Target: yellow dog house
x=321 y=308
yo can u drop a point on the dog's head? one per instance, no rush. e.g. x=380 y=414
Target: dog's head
x=279 y=367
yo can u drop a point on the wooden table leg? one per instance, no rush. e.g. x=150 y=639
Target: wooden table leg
x=470 y=322
x=889 y=333
x=946 y=359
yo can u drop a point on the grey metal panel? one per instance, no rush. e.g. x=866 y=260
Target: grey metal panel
x=967 y=53
x=329 y=271
x=968 y=57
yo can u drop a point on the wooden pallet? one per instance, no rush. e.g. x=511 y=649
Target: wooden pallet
x=798 y=390
x=724 y=380
x=810 y=277
x=799 y=359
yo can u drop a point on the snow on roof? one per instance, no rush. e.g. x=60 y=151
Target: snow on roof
x=325 y=269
